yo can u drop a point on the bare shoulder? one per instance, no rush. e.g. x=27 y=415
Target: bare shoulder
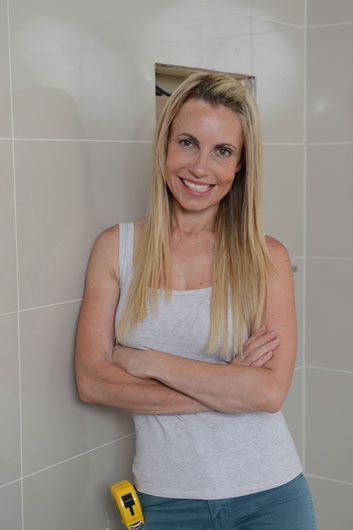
x=106 y=245
x=279 y=254
x=106 y=249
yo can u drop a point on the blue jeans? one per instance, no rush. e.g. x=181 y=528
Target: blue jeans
x=286 y=507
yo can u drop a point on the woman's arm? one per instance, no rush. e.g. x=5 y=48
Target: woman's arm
x=229 y=388
x=99 y=380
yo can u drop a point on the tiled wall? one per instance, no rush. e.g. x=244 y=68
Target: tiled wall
x=329 y=308
x=76 y=124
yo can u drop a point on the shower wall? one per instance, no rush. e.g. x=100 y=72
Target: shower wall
x=329 y=262
x=76 y=126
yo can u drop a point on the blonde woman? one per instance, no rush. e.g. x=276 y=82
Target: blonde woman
x=188 y=321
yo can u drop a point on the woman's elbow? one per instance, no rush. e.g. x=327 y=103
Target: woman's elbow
x=276 y=403
x=84 y=388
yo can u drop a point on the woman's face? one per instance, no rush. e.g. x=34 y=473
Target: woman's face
x=203 y=154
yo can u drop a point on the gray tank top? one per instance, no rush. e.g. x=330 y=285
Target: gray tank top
x=207 y=455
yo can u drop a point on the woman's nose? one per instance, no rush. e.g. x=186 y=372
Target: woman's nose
x=199 y=165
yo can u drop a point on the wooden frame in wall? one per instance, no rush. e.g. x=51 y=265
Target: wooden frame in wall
x=169 y=76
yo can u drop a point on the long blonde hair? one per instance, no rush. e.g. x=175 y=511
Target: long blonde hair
x=241 y=260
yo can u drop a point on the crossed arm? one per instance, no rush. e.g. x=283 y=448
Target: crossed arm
x=153 y=382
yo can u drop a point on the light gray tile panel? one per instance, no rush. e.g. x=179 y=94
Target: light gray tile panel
x=298 y=294
x=299 y=306
x=10 y=457
x=333 y=504
x=281 y=10
x=330 y=200
x=293 y=410
x=56 y=424
x=10 y=507
x=283 y=195
x=67 y=193
x=329 y=313
x=5 y=105
x=278 y=64
x=227 y=41
x=329 y=424
x=75 y=495
x=236 y=6
x=328 y=12
x=86 y=70
x=8 y=282
x=330 y=84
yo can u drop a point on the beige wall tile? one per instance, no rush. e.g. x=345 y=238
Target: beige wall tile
x=329 y=424
x=5 y=105
x=330 y=84
x=67 y=192
x=279 y=69
x=328 y=12
x=293 y=410
x=87 y=71
x=283 y=195
x=10 y=507
x=8 y=281
x=236 y=6
x=280 y=10
x=289 y=11
x=75 y=494
x=299 y=306
x=10 y=459
x=329 y=313
x=56 y=424
x=333 y=504
x=330 y=200
x=227 y=41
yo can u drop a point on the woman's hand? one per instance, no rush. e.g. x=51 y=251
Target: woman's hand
x=131 y=360
x=257 y=350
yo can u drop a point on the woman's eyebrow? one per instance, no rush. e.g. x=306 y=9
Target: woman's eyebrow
x=189 y=135
x=228 y=145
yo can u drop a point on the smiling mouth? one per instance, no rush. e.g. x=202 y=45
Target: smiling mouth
x=197 y=190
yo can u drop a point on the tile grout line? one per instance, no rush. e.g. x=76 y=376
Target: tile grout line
x=258 y=17
x=94 y=140
x=330 y=25
x=29 y=475
x=343 y=142
x=340 y=258
x=252 y=61
x=203 y=33
x=17 y=264
x=305 y=153
x=300 y=144
x=51 y=305
x=319 y=477
x=325 y=369
x=40 y=307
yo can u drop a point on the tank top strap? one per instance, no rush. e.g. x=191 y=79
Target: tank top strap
x=126 y=246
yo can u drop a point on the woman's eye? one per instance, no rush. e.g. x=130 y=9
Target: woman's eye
x=224 y=152
x=185 y=142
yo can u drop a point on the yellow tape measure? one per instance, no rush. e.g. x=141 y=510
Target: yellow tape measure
x=127 y=501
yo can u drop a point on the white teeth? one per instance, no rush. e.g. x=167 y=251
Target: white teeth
x=196 y=187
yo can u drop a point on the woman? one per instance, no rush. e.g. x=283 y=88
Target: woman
x=198 y=286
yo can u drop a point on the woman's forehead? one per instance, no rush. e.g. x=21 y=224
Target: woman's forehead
x=197 y=115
